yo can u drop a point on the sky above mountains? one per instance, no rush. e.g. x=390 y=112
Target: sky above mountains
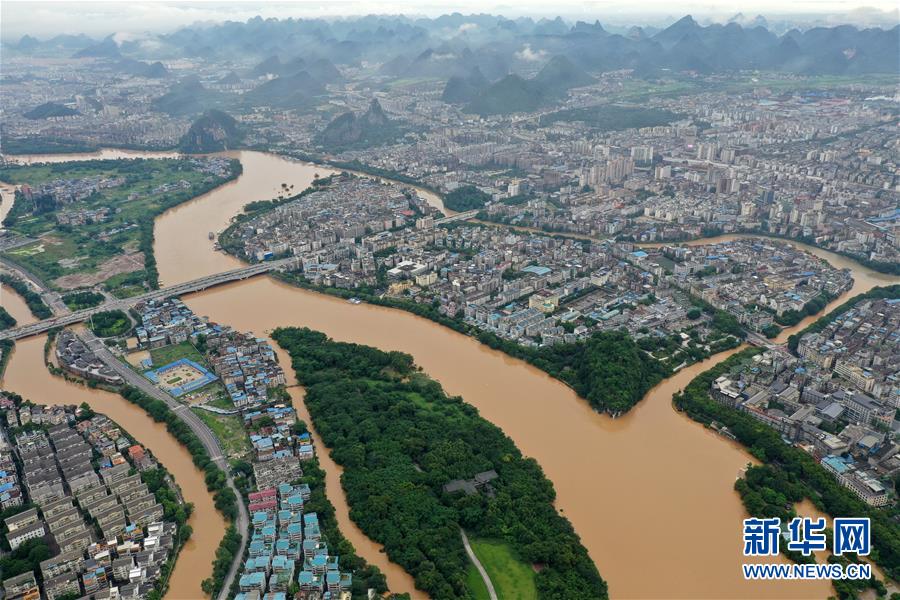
x=45 y=19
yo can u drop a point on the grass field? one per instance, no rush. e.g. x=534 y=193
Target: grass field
x=100 y=248
x=229 y=430
x=166 y=354
x=512 y=578
x=476 y=584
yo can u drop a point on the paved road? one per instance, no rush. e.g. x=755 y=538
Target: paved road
x=209 y=440
x=63 y=317
x=478 y=565
x=12 y=241
x=51 y=298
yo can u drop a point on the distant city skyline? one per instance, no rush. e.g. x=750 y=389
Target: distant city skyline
x=101 y=18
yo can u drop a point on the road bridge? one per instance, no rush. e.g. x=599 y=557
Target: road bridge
x=463 y=216
x=62 y=320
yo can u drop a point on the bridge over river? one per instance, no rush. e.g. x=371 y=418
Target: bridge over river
x=61 y=320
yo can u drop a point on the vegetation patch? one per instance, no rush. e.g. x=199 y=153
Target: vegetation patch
x=510 y=576
x=467 y=197
x=6 y=319
x=32 y=299
x=401 y=439
x=230 y=431
x=94 y=218
x=110 y=323
x=169 y=354
x=82 y=300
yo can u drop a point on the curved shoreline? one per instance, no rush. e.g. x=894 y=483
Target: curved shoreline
x=27 y=376
x=621 y=454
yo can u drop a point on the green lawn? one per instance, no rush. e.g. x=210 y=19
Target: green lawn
x=229 y=430
x=476 y=584
x=512 y=578
x=166 y=354
x=221 y=399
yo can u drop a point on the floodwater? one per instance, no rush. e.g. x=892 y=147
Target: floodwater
x=651 y=493
x=635 y=487
x=185 y=252
x=27 y=376
x=15 y=306
x=7 y=197
x=182 y=246
x=103 y=154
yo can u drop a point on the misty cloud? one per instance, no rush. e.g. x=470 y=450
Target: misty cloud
x=527 y=54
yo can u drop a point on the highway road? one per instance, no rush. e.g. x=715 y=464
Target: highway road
x=209 y=440
x=63 y=317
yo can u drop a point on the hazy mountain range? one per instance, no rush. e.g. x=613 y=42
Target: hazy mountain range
x=454 y=44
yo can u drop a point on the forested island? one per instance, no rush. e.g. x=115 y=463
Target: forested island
x=403 y=443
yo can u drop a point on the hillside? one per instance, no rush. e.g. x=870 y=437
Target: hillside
x=463 y=89
x=105 y=49
x=291 y=91
x=186 y=97
x=509 y=95
x=48 y=110
x=155 y=70
x=213 y=132
x=514 y=94
x=350 y=130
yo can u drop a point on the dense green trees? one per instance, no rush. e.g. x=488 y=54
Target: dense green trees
x=32 y=299
x=789 y=470
x=6 y=319
x=6 y=347
x=608 y=369
x=110 y=323
x=83 y=299
x=467 y=197
x=173 y=508
x=771 y=331
x=228 y=547
x=400 y=439
x=26 y=557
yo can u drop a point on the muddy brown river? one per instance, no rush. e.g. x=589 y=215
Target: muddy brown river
x=650 y=493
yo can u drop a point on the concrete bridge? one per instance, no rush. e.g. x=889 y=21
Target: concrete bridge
x=463 y=216
x=178 y=289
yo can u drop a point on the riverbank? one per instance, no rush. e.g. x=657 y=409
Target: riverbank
x=879 y=266
x=607 y=369
x=143 y=190
x=27 y=376
x=32 y=299
x=607 y=473
x=352 y=390
x=786 y=470
x=529 y=406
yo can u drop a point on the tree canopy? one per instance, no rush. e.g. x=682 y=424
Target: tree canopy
x=400 y=439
